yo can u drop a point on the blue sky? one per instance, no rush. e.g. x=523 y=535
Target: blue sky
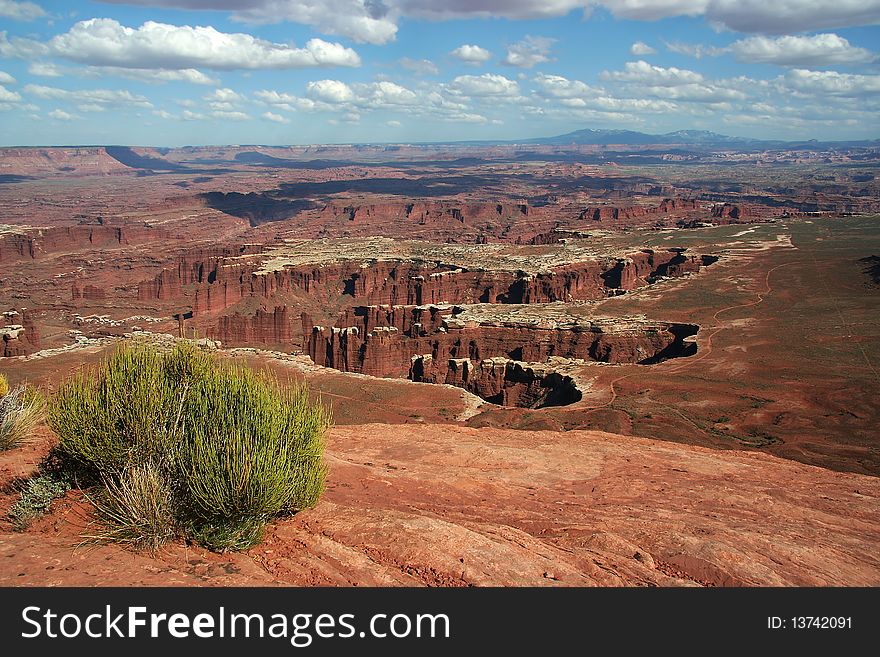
x=179 y=72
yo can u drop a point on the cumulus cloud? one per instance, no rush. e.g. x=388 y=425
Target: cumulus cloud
x=330 y=91
x=109 y=97
x=21 y=11
x=366 y=21
x=471 y=54
x=7 y=96
x=5 y=78
x=695 y=50
x=488 y=84
x=106 y=42
x=642 y=71
x=419 y=66
x=529 y=52
x=816 y=50
x=375 y=21
x=275 y=118
x=44 y=70
x=61 y=115
x=285 y=101
x=787 y=16
x=672 y=83
x=560 y=87
x=393 y=124
x=831 y=83
x=640 y=49
x=230 y=115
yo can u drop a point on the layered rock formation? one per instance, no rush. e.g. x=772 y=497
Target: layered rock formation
x=32 y=243
x=18 y=334
x=629 y=214
x=212 y=281
x=490 y=349
x=263 y=328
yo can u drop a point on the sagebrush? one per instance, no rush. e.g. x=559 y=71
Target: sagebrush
x=184 y=443
x=22 y=410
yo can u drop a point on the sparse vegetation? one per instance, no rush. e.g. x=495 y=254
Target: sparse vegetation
x=4 y=385
x=36 y=497
x=22 y=410
x=183 y=443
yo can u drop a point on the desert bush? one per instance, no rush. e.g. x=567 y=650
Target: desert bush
x=21 y=411
x=136 y=509
x=36 y=496
x=4 y=384
x=181 y=441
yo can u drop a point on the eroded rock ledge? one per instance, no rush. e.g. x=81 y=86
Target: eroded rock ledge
x=499 y=352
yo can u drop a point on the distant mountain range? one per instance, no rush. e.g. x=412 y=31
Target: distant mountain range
x=696 y=138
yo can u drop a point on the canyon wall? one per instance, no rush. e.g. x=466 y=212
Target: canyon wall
x=32 y=243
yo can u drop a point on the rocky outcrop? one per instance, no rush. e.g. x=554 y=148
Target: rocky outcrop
x=79 y=292
x=731 y=211
x=18 y=334
x=617 y=214
x=196 y=267
x=33 y=243
x=213 y=281
x=67 y=162
x=499 y=380
x=262 y=328
x=448 y=344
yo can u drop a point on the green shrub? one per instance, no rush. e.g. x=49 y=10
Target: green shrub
x=136 y=509
x=21 y=411
x=36 y=497
x=228 y=448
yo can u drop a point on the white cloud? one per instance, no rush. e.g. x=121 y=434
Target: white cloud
x=7 y=96
x=113 y=98
x=697 y=51
x=330 y=91
x=788 y=16
x=190 y=75
x=44 y=70
x=393 y=124
x=5 y=78
x=162 y=114
x=816 y=50
x=61 y=115
x=106 y=42
x=21 y=11
x=643 y=79
x=375 y=21
x=230 y=115
x=529 y=52
x=224 y=95
x=276 y=118
x=365 y=21
x=560 y=87
x=488 y=84
x=640 y=49
x=189 y=115
x=464 y=117
x=420 y=66
x=643 y=72
x=285 y=101
x=831 y=83
x=471 y=54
